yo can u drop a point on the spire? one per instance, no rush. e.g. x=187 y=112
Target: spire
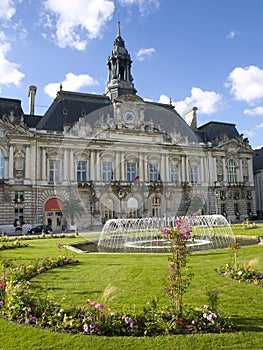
x=119 y=28
x=120 y=80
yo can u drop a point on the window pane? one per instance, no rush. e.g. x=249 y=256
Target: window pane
x=82 y=171
x=54 y=174
x=131 y=171
x=107 y=173
x=153 y=172
x=174 y=173
x=193 y=174
x=231 y=172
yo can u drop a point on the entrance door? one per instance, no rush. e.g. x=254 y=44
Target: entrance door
x=53 y=213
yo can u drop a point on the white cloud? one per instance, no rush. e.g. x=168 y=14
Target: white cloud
x=78 y=20
x=7 y=9
x=249 y=133
x=260 y=126
x=232 y=34
x=9 y=73
x=207 y=102
x=246 y=83
x=145 y=6
x=71 y=83
x=254 y=111
x=143 y=53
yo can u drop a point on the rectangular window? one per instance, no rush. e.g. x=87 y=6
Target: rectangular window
x=174 y=173
x=131 y=171
x=193 y=174
x=236 y=209
x=19 y=196
x=19 y=216
x=153 y=172
x=82 y=171
x=107 y=173
x=54 y=171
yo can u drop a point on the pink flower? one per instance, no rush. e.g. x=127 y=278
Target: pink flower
x=85 y=328
x=99 y=307
x=92 y=325
x=172 y=267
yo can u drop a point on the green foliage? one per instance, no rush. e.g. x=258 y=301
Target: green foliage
x=242 y=272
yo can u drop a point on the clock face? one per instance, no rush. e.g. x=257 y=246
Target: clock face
x=129 y=117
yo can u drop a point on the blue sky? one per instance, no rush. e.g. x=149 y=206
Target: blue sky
x=203 y=53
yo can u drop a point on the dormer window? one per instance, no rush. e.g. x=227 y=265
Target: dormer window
x=65 y=111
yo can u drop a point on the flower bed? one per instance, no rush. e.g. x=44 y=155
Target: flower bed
x=22 y=304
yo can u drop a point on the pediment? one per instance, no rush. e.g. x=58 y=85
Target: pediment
x=128 y=98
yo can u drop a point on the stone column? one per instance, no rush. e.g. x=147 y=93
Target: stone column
x=183 y=178
x=11 y=162
x=91 y=166
x=162 y=170
x=215 y=169
x=187 y=177
x=65 y=165
x=224 y=171
x=250 y=171
x=122 y=178
x=27 y=163
x=98 y=167
x=146 y=177
x=117 y=166
x=44 y=170
x=141 y=167
x=241 y=179
x=72 y=168
x=202 y=172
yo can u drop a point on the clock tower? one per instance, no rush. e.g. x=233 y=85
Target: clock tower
x=120 y=80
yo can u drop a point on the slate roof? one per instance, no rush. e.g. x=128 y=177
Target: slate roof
x=8 y=105
x=258 y=160
x=32 y=120
x=169 y=120
x=68 y=107
x=211 y=131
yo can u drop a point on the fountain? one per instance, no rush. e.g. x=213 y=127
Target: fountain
x=144 y=235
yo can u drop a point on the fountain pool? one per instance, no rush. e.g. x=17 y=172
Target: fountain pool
x=144 y=235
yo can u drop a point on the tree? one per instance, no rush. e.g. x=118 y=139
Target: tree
x=73 y=209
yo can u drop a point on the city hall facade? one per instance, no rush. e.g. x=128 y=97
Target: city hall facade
x=118 y=156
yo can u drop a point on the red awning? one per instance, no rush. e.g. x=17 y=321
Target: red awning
x=54 y=204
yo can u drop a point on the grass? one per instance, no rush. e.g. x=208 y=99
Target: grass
x=139 y=278
x=239 y=229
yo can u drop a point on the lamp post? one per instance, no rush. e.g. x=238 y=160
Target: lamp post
x=91 y=203
x=121 y=196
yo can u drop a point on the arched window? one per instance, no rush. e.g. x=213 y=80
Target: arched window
x=2 y=164
x=132 y=206
x=231 y=172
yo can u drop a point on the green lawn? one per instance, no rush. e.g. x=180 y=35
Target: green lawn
x=139 y=278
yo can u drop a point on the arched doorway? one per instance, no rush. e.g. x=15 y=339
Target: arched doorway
x=53 y=213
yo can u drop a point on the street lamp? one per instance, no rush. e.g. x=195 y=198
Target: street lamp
x=91 y=203
x=121 y=196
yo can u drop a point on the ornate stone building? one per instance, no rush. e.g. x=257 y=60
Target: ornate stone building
x=258 y=178
x=120 y=156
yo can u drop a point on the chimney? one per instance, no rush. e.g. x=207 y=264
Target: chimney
x=190 y=118
x=32 y=94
